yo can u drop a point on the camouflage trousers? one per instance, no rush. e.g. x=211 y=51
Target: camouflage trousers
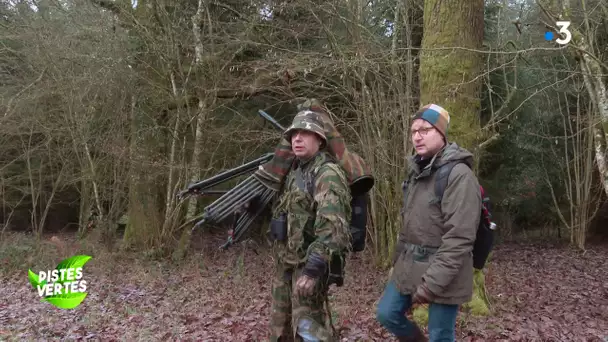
x=293 y=315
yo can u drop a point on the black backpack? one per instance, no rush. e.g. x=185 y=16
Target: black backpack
x=358 y=221
x=484 y=240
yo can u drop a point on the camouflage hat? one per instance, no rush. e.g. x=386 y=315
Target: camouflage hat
x=309 y=121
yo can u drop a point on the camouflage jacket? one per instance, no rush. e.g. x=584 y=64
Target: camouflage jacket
x=319 y=224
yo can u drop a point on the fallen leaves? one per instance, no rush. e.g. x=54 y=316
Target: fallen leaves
x=538 y=294
x=547 y=294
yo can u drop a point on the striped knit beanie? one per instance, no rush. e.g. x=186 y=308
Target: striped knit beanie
x=436 y=116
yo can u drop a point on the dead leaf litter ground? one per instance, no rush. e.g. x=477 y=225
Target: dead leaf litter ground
x=539 y=293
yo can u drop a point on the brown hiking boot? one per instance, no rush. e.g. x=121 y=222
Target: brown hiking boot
x=418 y=336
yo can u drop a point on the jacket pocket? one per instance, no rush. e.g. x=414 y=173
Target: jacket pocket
x=418 y=270
x=421 y=263
x=296 y=224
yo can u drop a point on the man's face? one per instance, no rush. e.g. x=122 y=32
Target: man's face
x=426 y=139
x=305 y=143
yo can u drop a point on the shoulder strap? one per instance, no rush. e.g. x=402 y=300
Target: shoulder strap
x=308 y=183
x=442 y=176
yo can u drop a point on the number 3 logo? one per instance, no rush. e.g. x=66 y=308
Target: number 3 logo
x=563 y=25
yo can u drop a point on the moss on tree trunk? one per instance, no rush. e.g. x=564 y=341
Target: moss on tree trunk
x=450 y=77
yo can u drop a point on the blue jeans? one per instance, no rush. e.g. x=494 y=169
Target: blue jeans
x=391 y=314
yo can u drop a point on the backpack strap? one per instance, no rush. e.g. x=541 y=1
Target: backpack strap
x=441 y=178
x=307 y=184
x=405 y=185
x=303 y=184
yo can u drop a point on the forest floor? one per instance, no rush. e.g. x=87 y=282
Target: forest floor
x=539 y=293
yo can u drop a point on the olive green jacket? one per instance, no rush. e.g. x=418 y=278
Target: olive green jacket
x=436 y=240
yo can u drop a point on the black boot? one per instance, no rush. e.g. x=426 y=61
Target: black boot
x=417 y=336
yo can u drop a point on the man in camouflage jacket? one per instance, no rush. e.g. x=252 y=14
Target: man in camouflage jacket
x=315 y=203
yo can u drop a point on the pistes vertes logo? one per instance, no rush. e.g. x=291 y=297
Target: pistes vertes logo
x=64 y=286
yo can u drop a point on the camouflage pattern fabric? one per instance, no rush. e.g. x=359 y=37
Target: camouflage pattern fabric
x=319 y=224
x=288 y=308
x=325 y=231
x=358 y=172
x=309 y=121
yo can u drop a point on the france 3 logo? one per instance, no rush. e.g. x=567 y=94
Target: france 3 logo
x=565 y=37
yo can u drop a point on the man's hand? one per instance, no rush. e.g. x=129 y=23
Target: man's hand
x=423 y=295
x=305 y=285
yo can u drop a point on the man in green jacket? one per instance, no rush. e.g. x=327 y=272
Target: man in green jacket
x=313 y=234
x=433 y=260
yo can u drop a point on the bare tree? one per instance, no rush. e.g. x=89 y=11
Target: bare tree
x=591 y=66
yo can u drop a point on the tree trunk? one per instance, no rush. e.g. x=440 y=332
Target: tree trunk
x=197 y=20
x=601 y=154
x=592 y=74
x=196 y=156
x=96 y=197
x=449 y=76
x=84 y=212
x=144 y=213
x=170 y=195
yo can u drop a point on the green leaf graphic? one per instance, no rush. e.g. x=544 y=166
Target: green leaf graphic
x=34 y=279
x=73 y=262
x=66 y=301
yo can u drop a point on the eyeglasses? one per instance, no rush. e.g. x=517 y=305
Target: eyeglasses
x=423 y=131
